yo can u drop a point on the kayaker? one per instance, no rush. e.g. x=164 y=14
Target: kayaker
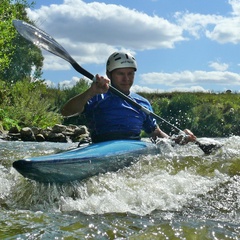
x=109 y=116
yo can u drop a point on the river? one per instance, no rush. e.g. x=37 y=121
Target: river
x=178 y=194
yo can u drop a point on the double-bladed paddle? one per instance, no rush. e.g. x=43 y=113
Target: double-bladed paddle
x=43 y=40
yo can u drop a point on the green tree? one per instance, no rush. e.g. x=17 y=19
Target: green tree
x=18 y=57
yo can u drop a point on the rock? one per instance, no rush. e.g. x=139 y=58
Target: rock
x=57 y=137
x=14 y=136
x=36 y=130
x=4 y=136
x=27 y=134
x=40 y=137
x=81 y=130
x=58 y=128
x=45 y=132
x=13 y=130
x=58 y=133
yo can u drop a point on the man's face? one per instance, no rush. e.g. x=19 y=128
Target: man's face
x=123 y=79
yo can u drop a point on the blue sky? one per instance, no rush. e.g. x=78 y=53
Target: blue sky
x=187 y=45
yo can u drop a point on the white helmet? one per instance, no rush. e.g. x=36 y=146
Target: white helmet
x=121 y=60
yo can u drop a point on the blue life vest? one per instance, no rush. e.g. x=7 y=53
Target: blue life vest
x=109 y=115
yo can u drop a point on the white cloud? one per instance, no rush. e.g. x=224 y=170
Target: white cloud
x=188 y=78
x=195 y=23
x=189 y=89
x=106 y=24
x=52 y=62
x=70 y=83
x=137 y=88
x=218 y=66
x=49 y=83
x=64 y=84
x=226 y=31
x=222 y=29
x=235 y=6
x=89 y=26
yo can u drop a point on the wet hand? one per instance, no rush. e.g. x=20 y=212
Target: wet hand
x=184 y=137
x=190 y=136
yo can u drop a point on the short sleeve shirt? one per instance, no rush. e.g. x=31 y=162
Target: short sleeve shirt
x=108 y=113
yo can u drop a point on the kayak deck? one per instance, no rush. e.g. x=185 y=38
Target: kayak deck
x=84 y=162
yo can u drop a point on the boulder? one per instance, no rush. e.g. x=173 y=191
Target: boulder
x=27 y=134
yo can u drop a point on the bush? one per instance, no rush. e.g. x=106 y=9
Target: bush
x=206 y=114
x=24 y=105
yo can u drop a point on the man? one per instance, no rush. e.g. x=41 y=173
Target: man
x=111 y=117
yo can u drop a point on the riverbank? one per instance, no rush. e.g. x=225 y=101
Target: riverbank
x=57 y=133
x=206 y=114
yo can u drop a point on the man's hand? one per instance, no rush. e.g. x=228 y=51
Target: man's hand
x=191 y=136
x=184 y=137
x=101 y=85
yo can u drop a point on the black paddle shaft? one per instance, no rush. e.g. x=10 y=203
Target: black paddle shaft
x=48 y=43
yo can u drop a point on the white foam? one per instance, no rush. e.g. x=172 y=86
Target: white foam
x=142 y=195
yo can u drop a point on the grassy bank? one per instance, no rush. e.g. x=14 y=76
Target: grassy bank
x=27 y=103
x=206 y=114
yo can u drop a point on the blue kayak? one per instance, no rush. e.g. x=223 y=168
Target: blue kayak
x=84 y=162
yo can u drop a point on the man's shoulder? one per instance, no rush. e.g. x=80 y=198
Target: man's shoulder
x=138 y=97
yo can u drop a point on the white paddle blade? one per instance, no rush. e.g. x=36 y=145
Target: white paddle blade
x=41 y=39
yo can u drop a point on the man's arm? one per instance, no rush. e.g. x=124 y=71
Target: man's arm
x=158 y=133
x=76 y=104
